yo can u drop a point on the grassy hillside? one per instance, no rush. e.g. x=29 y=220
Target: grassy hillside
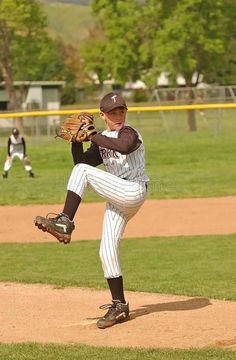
x=70 y=21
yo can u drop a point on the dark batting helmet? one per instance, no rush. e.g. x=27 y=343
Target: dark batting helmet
x=15 y=131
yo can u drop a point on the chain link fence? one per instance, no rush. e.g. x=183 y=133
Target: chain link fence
x=42 y=128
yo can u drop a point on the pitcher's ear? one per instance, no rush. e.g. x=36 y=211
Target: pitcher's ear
x=102 y=115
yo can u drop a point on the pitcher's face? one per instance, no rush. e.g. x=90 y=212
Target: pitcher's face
x=115 y=119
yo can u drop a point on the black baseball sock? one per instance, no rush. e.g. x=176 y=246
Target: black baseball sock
x=71 y=204
x=116 y=289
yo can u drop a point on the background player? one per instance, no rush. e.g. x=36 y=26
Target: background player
x=123 y=185
x=16 y=147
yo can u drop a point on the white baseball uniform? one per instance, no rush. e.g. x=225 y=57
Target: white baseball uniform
x=123 y=185
x=16 y=148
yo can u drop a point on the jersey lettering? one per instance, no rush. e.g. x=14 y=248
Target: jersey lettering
x=127 y=166
x=108 y=153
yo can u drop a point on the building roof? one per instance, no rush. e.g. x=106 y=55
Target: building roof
x=36 y=83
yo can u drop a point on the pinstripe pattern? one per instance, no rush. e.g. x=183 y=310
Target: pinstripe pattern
x=124 y=197
x=113 y=227
x=131 y=166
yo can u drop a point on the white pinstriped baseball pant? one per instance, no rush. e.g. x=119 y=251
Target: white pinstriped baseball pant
x=124 y=198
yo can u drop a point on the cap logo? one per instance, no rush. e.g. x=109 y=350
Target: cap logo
x=114 y=98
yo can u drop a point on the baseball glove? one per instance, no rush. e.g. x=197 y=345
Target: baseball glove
x=77 y=127
x=26 y=160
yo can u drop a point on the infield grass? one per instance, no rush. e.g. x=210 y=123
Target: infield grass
x=194 y=265
x=80 y=352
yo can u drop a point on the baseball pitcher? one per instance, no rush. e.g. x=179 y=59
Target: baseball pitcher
x=123 y=185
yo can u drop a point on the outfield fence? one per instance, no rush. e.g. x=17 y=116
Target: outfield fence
x=213 y=117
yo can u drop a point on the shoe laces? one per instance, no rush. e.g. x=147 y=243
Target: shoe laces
x=108 y=306
x=58 y=216
x=54 y=218
x=111 y=307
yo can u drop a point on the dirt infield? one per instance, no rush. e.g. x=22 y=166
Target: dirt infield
x=44 y=314
x=155 y=218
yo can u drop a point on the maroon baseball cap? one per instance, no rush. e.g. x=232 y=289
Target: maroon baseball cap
x=112 y=101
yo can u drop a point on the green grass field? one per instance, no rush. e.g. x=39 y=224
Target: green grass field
x=192 y=265
x=180 y=165
x=72 y=352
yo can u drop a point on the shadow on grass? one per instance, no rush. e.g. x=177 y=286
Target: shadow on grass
x=184 y=305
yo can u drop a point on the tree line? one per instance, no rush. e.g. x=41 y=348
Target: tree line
x=130 y=40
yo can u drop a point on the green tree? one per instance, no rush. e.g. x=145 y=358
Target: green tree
x=38 y=61
x=21 y=24
x=118 y=19
x=72 y=73
x=94 y=54
x=144 y=38
x=192 y=38
x=225 y=72
x=26 y=52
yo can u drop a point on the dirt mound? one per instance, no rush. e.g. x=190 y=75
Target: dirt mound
x=29 y=313
x=39 y=313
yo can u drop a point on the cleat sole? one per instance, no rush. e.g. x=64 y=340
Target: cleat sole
x=61 y=238
x=105 y=325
